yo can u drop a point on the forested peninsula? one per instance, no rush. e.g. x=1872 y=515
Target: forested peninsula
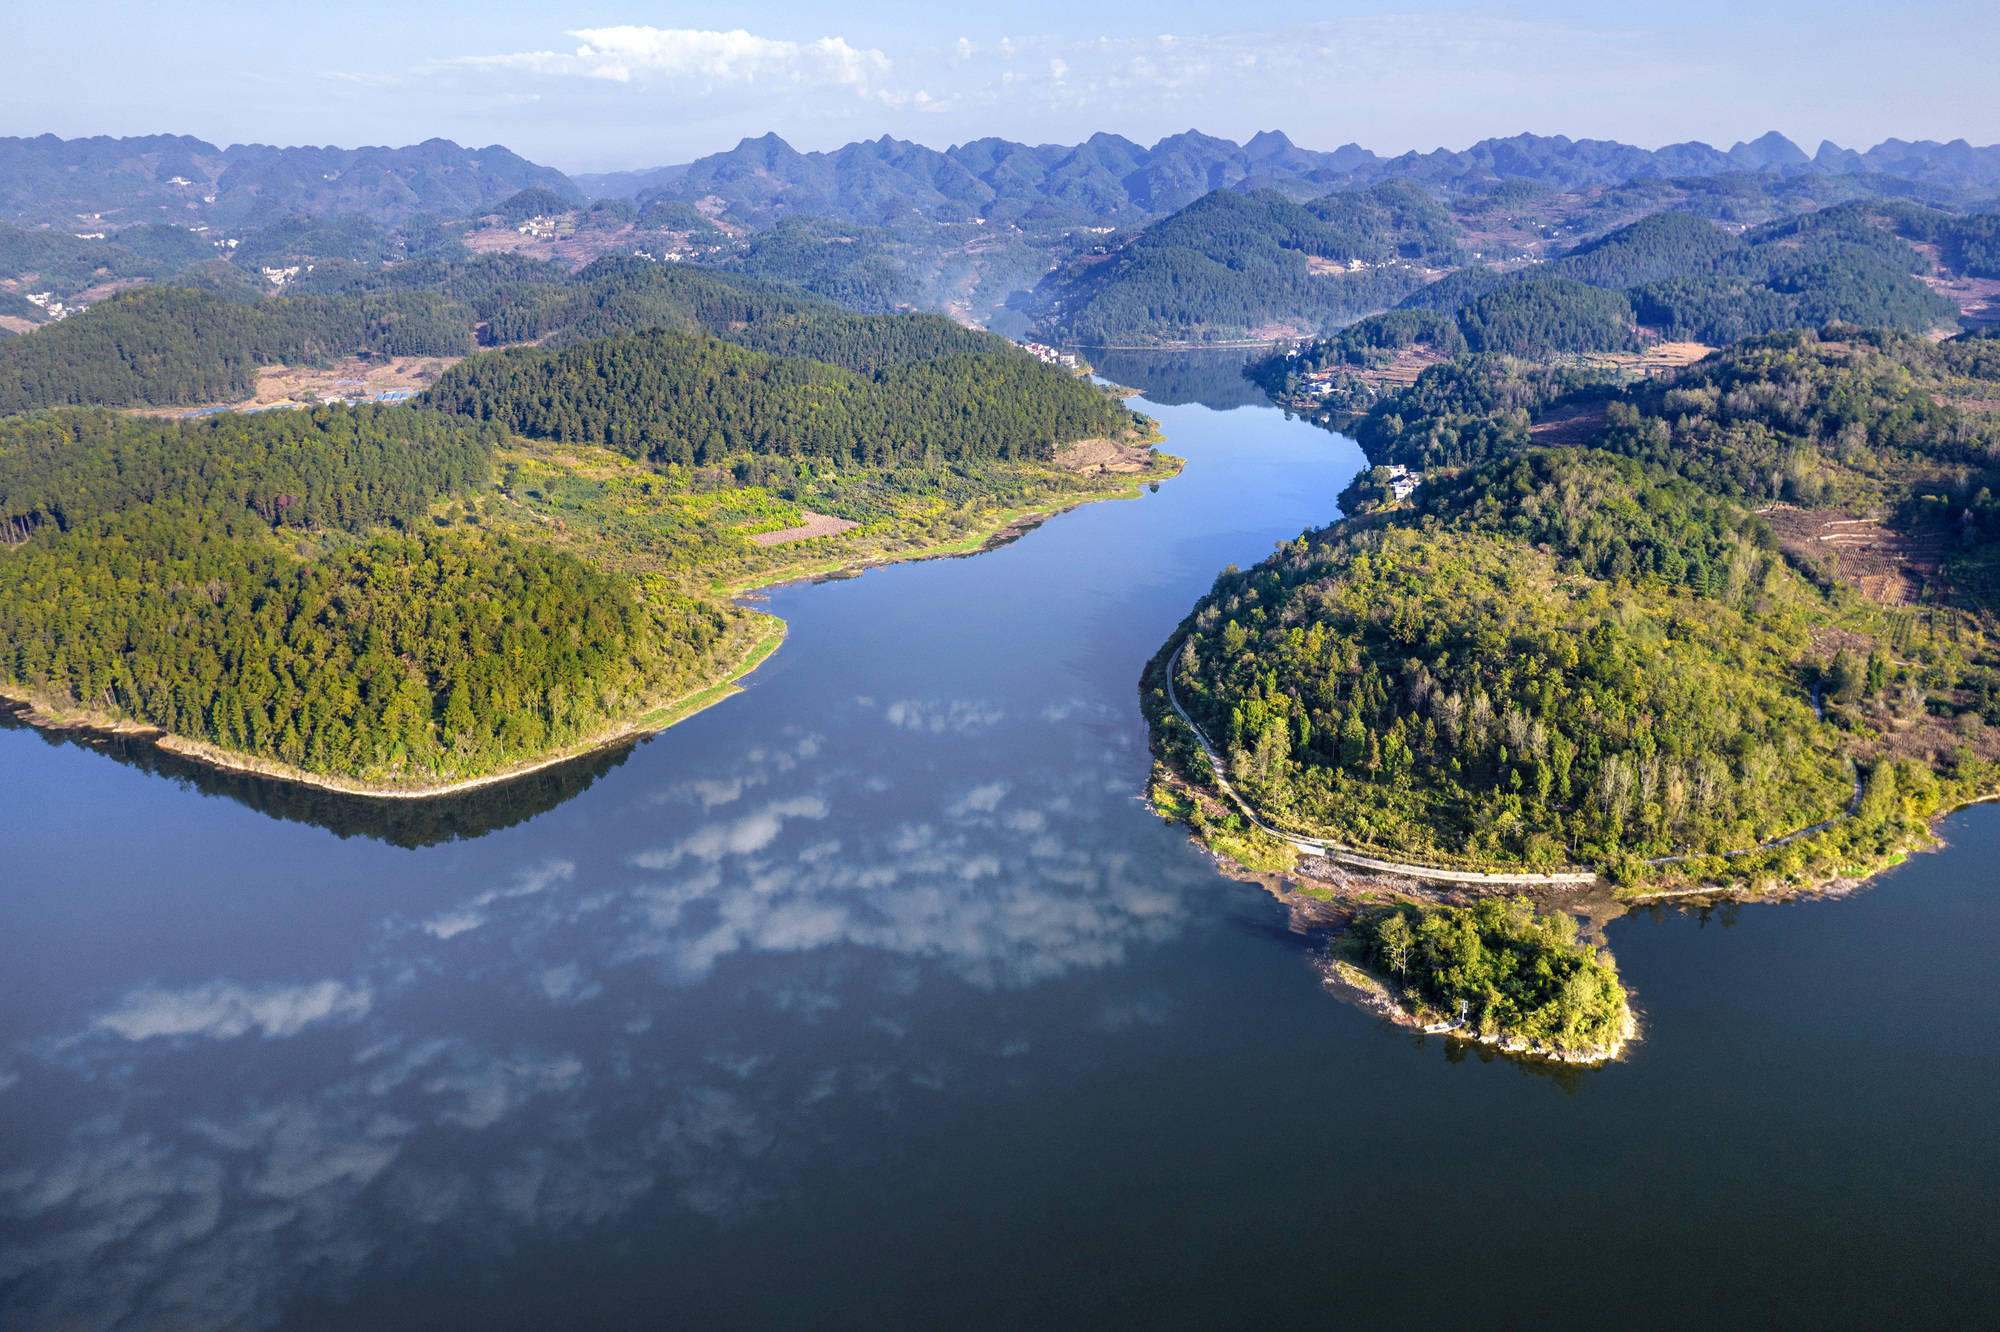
x=1728 y=630
x=1630 y=647
x=534 y=559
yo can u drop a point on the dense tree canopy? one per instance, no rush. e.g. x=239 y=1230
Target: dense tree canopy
x=1515 y=971
x=330 y=589
x=1546 y=317
x=681 y=398
x=166 y=345
x=64 y=264
x=350 y=469
x=403 y=658
x=1230 y=262
x=851 y=265
x=142 y=576
x=1568 y=658
x=1599 y=653
x=1468 y=411
x=1663 y=245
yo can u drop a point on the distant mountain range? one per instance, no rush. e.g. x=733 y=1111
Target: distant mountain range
x=1109 y=179
x=175 y=178
x=1105 y=180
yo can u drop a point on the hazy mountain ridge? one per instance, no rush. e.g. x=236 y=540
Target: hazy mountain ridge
x=1111 y=178
x=178 y=178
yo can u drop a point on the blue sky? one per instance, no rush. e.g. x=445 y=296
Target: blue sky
x=605 y=85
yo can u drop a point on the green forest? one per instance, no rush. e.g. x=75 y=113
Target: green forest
x=350 y=469
x=1233 y=262
x=411 y=595
x=1669 y=275
x=1230 y=262
x=175 y=345
x=239 y=582
x=1555 y=664
x=1602 y=654
x=1467 y=411
x=1517 y=972
x=681 y=398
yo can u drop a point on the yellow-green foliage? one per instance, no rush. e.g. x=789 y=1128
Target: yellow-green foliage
x=1517 y=972
x=1441 y=688
x=694 y=524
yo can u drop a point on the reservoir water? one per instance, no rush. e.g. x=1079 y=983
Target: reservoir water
x=876 y=997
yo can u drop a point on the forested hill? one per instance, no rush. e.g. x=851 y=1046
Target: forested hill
x=176 y=346
x=1229 y=263
x=1689 y=278
x=302 y=470
x=140 y=577
x=1789 y=416
x=1464 y=687
x=1604 y=653
x=175 y=178
x=346 y=592
x=673 y=397
x=1674 y=276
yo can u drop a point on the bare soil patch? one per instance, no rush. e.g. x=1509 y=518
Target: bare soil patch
x=105 y=290
x=1403 y=366
x=1570 y=427
x=1091 y=457
x=583 y=245
x=1657 y=359
x=1978 y=299
x=352 y=379
x=815 y=525
x=1888 y=567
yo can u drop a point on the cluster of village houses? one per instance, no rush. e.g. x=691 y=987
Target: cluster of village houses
x=53 y=307
x=1048 y=355
x=1403 y=482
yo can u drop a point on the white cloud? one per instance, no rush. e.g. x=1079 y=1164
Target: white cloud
x=634 y=52
x=527 y=882
x=567 y=984
x=223 y=1010
x=494 y=1087
x=980 y=800
x=749 y=834
x=454 y=923
x=960 y=715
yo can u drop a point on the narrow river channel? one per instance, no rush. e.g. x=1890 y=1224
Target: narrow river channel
x=876 y=997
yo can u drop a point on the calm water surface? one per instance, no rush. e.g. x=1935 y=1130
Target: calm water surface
x=875 y=996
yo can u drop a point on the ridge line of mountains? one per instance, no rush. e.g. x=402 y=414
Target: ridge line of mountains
x=1112 y=178
x=1106 y=178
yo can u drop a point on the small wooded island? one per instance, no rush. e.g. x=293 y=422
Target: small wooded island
x=1659 y=631
x=1498 y=972
x=535 y=558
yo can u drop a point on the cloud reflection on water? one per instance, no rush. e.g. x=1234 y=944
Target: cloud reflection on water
x=603 y=1063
